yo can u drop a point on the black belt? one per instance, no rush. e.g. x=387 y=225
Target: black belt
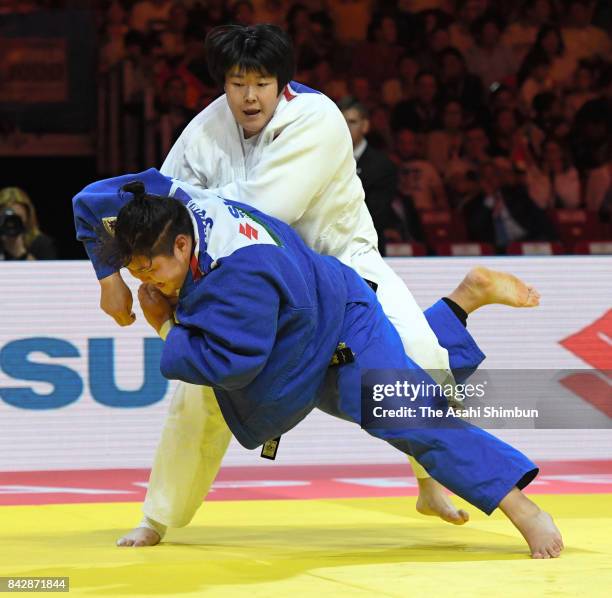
x=342 y=355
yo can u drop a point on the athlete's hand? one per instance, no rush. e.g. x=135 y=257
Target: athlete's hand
x=116 y=299
x=156 y=307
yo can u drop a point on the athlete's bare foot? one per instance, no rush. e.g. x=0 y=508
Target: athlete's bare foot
x=536 y=526
x=433 y=500
x=482 y=286
x=140 y=536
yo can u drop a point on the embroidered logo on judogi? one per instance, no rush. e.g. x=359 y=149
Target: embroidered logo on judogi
x=109 y=224
x=248 y=231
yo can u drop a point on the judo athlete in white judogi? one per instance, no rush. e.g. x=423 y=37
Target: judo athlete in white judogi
x=286 y=150
x=277 y=330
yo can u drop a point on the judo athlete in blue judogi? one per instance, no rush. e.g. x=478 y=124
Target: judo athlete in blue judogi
x=259 y=317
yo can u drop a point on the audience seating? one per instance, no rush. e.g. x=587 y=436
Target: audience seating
x=464 y=249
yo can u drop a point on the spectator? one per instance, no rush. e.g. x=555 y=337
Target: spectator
x=462 y=188
x=582 y=39
x=598 y=196
x=377 y=173
x=381 y=135
x=458 y=84
x=20 y=237
x=534 y=77
x=216 y=13
x=581 y=92
x=444 y=145
x=417 y=177
x=591 y=135
x=468 y=12
x=437 y=41
x=549 y=43
x=135 y=73
x=173 y=38
x=420 y=114
x=501 y=214
x=194 y=58
x=324 y=79
x=475 y=151
x=507 y=137
x=422 y=27
x=376 y=58
x=174 y=115
x=405 y=223
x=112 y=47
x=547 y=112
x=178 y=67
x=489 y=58
x=602 y=14
x=308 y=50
x=401 y=88
x=243 y=13
x=150 y=15
x=504 y=97
x=361 y=90
x=270 y=11
x=521 y=36
x=351 y=19
x=554 y=182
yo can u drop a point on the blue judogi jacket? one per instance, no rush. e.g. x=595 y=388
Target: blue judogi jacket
x=259 y=315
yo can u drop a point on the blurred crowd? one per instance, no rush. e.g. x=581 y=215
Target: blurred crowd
x=496 y=113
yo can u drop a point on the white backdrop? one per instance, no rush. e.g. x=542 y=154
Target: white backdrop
x=49 y=315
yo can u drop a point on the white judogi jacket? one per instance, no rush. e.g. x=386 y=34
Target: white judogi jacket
x=300 y=169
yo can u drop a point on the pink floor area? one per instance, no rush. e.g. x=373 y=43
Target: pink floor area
x=280 y=482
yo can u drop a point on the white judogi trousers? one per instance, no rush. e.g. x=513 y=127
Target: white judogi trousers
x=195 y=436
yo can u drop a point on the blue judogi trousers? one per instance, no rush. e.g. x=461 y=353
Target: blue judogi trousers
x=464 y=458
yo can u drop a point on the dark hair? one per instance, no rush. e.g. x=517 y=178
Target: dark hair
x=534 y=59
x=146 y=226
x=543 y=102
x=349 y=102
x=292 y=13
x=543 y=32
x=263 y=48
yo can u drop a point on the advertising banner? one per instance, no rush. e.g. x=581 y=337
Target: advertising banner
x=79 y=392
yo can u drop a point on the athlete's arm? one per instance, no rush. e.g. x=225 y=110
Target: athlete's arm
x=227 y=339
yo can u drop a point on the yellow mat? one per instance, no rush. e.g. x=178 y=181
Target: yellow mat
x=315 y=548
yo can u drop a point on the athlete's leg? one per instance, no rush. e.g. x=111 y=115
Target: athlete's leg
x=193 y=442
x=471 y=462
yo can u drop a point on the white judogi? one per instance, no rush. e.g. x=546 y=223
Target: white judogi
x=300 y=169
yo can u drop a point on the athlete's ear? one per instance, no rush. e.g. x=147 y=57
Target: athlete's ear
x=182 y=247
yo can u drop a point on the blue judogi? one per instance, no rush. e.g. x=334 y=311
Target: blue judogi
x=465 y=459
x=260 y=316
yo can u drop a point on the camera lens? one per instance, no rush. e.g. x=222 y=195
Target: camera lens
x=11 y=224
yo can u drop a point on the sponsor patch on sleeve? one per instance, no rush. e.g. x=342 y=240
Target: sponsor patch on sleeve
x=109 y=224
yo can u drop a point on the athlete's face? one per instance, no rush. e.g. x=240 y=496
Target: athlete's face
x=252 y=97
x=166 y=272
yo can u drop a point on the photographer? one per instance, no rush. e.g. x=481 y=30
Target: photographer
x=20 y=237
